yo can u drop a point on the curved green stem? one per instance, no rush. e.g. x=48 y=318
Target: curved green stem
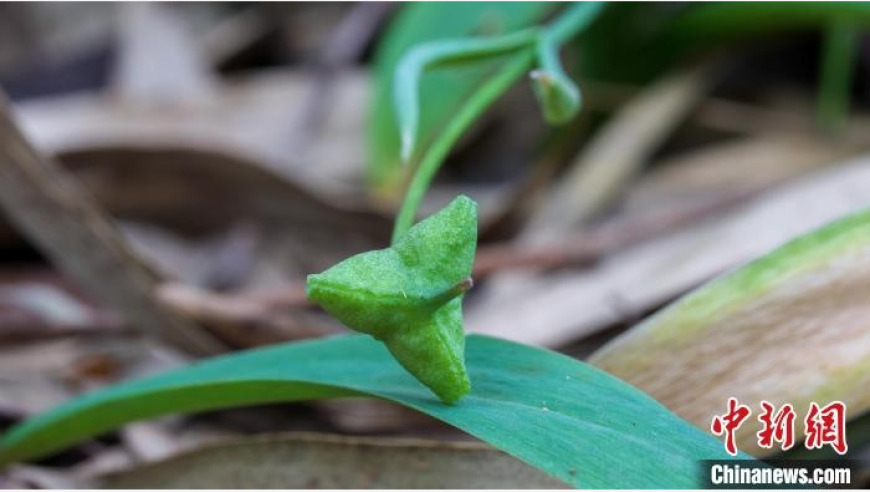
x=439 y=53
x=574 y=19
x=548 y=56
x=558 y=95
x=437 y=152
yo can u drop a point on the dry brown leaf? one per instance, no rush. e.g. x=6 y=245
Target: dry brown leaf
x=730 y=167
x=185 y=190
x=37 y=303
x=616 y=154
x=159 y=61
x=38 y=477
x=51 y=208
x=555 y=309
x=248 y=118
x=295 y=461
x=40 y=374
x=358 y=415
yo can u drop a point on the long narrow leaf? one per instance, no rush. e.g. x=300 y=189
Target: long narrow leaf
x=789 y=327
x=572 y=421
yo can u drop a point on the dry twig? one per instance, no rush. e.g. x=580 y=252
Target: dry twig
x=62 y=220
x=586 y=248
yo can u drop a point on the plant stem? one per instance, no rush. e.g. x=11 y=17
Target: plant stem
x=457 y=290
x=838 y=55
x=441 y=53
x=573 y=20
x=437 y=152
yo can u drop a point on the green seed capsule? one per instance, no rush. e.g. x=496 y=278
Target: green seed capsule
x=410 y=296
x=557 y=95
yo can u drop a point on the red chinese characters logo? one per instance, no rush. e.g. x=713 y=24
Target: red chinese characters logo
x=824 y=426
x=729 y=423
x=827 y=426
x=777 y=426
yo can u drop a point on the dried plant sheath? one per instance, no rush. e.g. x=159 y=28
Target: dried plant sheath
x=300 y=460
x=790 y=327
x=410 y=296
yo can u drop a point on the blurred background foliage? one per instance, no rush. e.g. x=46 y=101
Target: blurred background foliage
x=237 y=147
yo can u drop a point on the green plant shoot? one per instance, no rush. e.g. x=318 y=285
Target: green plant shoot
x=557 y=94
x=409 y=296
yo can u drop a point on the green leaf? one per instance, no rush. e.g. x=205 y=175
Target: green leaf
x=840 y=48
x=410 y=296
x=789 y=327
x=732 y=21
x=443 y=92
x=572 y=421
x=649 y=39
